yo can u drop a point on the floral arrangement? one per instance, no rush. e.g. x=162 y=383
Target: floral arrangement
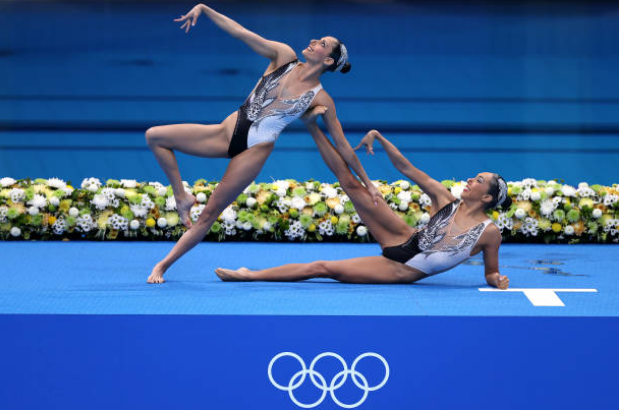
x=287 y=210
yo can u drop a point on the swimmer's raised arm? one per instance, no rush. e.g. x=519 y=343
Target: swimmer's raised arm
x=272 y=50
x=433 y=188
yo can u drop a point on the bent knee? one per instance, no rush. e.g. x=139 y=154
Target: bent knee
x=153 y=135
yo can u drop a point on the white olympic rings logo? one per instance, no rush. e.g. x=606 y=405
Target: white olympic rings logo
x=319 y=381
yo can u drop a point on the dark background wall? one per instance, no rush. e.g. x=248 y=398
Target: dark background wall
x=527 y=89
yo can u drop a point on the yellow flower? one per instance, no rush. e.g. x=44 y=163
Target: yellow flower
x=333 y=202
x=313 y=198
x=65 y=205
x=495 y=215
x=308 y=210
x=150 y=222
x=526 y=205
x=556 y=227
x=312 y=228
x=334 y=220
x=509 y=191
x=397 y=190
x=385 y=189
x=262 y=197
x=51 y=220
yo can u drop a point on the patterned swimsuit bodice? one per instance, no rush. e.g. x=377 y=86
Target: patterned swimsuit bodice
x=442 y=244
x=268 y=112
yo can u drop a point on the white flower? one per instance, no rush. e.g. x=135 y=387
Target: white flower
x=3 y=210
x=405 y=196
x=362 y=230
x=85 y=223
x=297 y=203
x=16 y=195
x=134 y=225
x=229 y=228
x=585 y=191
x=504 y=222
x=393 y=205
x=247 y=225
x=56 y=183
x=201 y=197
x=535 y=196
x=609 y=200
x=356 y=218
x=403 y=206
x=529 y=182
x=524 y=195
x=67 y=191
x=326 y=228
x=281 y=184
x=162 y=222
x=529 y=227
x=252 y=201
x=549 y=190
x=59 y=226
x=196 y=211
x=15 y=231
x=405 y=185
x=424 y=200
x=456 y=190
x=92 y=188
x=552 y=182
x=91 y=181
x=425 y=218
x=119 y=192
x=147 y=202
x=344 y=198
x=129 y=183
x=569 y=230
x=6 y=181
x=100 y=202
x=54 y=201
x=228 y=215
x=138 y=210
x=162 y=191
x=557 y=200
x=170 y=203
x=611 y=226
x=547 y=207
x=520 y=213
x=338 y=209
x=38 y=201
x=295 y=230
x=583 y=185
x=568 y=191
x=33 y=210
x=329 y=191
x=597 y=213
x=266 y=226
x=239 y=224
x=118 y=222
x=281 y=192
x=283 y=204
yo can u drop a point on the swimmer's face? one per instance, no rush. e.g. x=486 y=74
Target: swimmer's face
x=319 y=50
x=477 y=188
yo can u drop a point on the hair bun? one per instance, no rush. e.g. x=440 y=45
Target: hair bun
x=507 y=203
x=345 y=68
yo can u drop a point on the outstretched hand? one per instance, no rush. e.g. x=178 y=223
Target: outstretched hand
x=313 y=113
x=190 y=18
x=368 y=141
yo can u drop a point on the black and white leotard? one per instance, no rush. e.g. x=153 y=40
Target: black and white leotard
x=265 y=114
x=440 y=245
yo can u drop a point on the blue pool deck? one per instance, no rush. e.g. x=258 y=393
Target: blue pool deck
x=110 y=278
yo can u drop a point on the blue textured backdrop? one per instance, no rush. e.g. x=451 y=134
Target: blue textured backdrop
x=526 y=89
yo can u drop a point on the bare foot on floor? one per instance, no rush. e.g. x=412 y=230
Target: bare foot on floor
x=229 y=275
x=156 y=275
x=183 y=206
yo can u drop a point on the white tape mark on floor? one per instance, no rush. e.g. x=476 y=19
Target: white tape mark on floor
x=540 y=296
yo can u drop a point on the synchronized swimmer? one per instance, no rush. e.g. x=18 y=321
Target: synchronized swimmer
x=289 y=89
x=457 y=230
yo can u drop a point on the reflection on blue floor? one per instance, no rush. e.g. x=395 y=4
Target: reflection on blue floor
x=109 y=278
